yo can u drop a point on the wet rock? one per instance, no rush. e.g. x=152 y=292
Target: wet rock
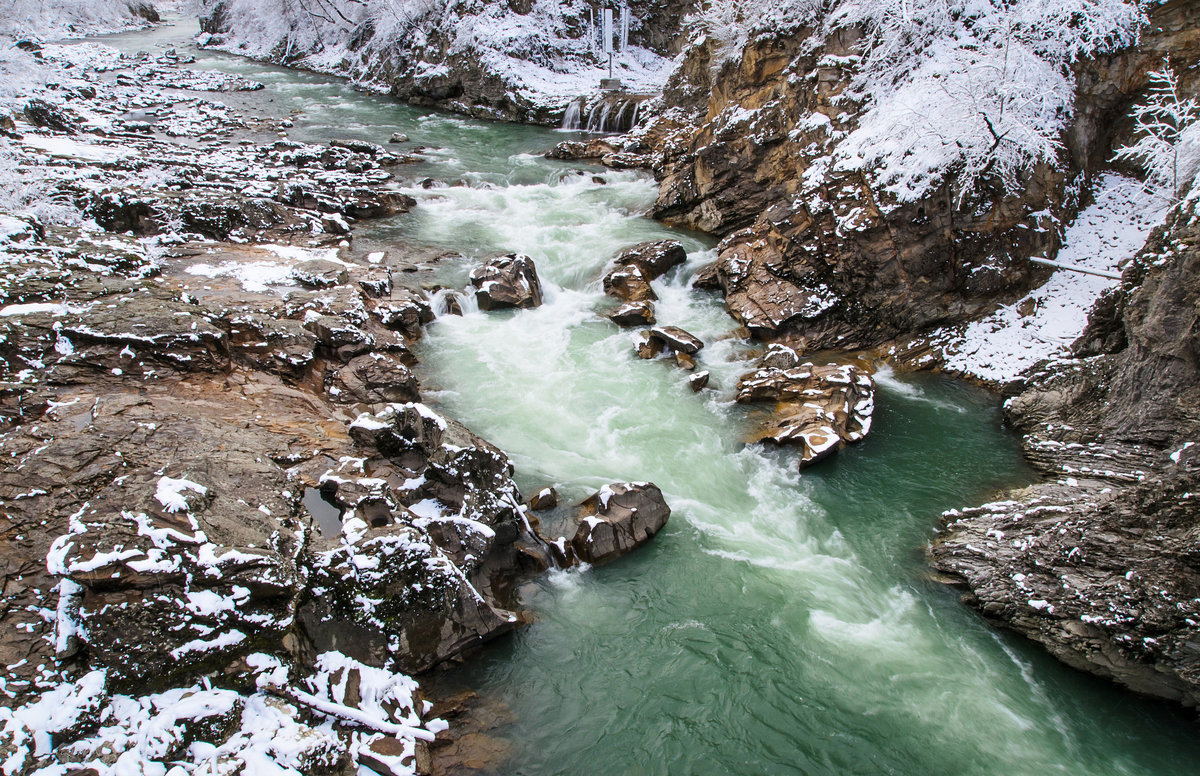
x=507 y=282
x=654 y=258
x=398 y=137
x=634 y=314
x=342 y=341
x=376 y=282
x=685 y=361
x=407 y=311
x=359 y=146
x=821 y=408
x=698 y=381
x=617 y=520
x=677 y=339
x=629 y=284
x=374 y=203
x=647 y=345
x=708 y=278
x=546 y=498
x=779 y=356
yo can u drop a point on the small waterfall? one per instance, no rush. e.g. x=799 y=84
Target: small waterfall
x=608 y=113
x=572 y=118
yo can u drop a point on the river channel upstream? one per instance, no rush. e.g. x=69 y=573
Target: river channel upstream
x=782 y=623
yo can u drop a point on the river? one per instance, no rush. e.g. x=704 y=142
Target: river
x=782 y=623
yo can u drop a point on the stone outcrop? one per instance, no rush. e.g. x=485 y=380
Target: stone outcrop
x=629 y=283
x=507 y=282
x=822 y=408
x=677 y=339
x=1098 y=563
x=655 y=259
x=634 y=314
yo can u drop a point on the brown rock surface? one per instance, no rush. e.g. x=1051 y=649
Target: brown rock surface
x=820 y=407
x=617 y=520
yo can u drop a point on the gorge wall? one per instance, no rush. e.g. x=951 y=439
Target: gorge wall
x=821 y=251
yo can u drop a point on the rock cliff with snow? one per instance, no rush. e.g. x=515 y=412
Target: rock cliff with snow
x=512 y=60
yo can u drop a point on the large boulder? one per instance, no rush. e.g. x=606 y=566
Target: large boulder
x=821 y=407
x=618 y=519
x=634 y=314
x=507 y=281
x=653 y=258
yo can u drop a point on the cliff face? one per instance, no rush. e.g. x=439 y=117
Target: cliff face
x=1100 y=563
x=822 y=253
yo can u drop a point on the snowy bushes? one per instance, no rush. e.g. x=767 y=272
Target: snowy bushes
x=967 y=88
x=976 y=88
x=540 y=55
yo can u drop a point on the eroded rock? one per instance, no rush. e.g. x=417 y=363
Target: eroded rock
x=820 y=407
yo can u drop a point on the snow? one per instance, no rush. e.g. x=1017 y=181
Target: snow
x=948 y=91
x=1002 y=345
x=257 y=276
x=34 y=308
x=76 y=149
x=280 y=729
x=1175 y=456
x=169 y=493
x=47 y=19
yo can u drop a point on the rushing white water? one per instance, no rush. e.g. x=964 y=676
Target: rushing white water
x=781 y=623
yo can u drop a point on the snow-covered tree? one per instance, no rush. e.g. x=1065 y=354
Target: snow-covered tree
x=1168 y=131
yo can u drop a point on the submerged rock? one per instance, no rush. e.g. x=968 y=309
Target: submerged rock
x=507 y=282
x=617 y=520
x=821 y=408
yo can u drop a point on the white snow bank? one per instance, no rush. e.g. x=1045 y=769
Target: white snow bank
x=170 y=493
x=75 y=149
x=1006 y=343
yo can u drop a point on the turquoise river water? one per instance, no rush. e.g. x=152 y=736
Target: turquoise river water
x=782 y=623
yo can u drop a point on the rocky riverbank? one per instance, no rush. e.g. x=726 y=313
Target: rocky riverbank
x=1098 y=563
x=230 y=526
